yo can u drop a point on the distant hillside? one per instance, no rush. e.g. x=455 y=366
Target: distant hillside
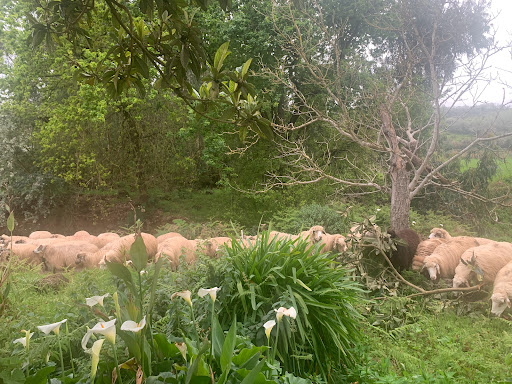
x=464 y=124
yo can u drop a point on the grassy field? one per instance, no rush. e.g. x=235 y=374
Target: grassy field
x=421 y=340
x=504 y=172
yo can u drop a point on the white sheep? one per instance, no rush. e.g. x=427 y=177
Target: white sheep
x=445 y=258
x=105 y=238
x=213 y=245
x=425 y=248
x=502 y=290
x=280 y=236
x=40 y=235
x=314 y=234
x=24 y=251
x=6 y=240
x=439 y=233
x=63 y=255
x=168 y=235
x=175 y=247
x=117 y=251
x=490 y=258
x=334 y=243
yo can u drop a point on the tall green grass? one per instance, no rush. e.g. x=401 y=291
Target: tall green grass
x=273 y=273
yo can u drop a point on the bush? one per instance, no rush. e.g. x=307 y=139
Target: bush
x=271 y=274
x=295 y=220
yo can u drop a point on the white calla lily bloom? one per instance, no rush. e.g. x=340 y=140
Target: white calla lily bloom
x=92 y=301
x=185 y=295
x=24 y=340
x=55 y=327
x=95 y=350
x=282 y=311
x=268 y=327
x=291 y=312
x=212 y=292
x=279 y=313
x=133 y=326
x=105 y=328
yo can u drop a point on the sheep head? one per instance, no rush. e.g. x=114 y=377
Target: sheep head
x=439 y=233
x=499 y=303
x=459 y=282
x=81 y=258
x=316 y=233
x=433 y=269
x=340 y=244
x=40 y=249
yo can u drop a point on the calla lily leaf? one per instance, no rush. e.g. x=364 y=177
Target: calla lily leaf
x=138 y=254
x=123 y=273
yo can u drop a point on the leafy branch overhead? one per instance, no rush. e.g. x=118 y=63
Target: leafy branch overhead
x=152 y=44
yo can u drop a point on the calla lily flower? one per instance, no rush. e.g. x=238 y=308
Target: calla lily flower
x=132 y=326
x=105 y=328
x=55 y=327
x=212 y=292
x=24 y=340
x=92 y=301
x=282 y=311
x=182 y=347
x=291 y=312
x=268 y=327
x=96 y=348
x=186 y=295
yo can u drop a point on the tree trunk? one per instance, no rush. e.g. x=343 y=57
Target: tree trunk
x=400 y=177
x=400 y=201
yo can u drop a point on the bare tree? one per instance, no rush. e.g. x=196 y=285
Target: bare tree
x=380 y=103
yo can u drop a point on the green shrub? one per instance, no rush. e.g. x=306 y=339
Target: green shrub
x=295 y=220
x=272 y=274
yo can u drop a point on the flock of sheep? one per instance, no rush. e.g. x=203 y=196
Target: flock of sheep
x=463 y=259
x=468 y=261
x=56 y=252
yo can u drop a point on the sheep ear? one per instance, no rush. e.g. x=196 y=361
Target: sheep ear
x=508 y=302
x=40 y=248
x=438 y=269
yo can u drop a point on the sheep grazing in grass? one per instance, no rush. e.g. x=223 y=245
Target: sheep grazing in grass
x=314 y=233
x=439 y=233
x=117 y=250
x=213 y=245
x=5 y=240
x=40 y=235
x=502 y=290
x=63 y=255
x=401 y=258
x=167 y=235
x=280 y=236
x=445 y=258
x=489 y=259
x=105 y=238
x=24 y=251
x=176 y=247
x=425 y=248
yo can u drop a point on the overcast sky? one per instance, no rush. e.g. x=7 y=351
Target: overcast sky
x=502 y=62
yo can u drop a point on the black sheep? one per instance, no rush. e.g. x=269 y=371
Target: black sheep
x=402 y=257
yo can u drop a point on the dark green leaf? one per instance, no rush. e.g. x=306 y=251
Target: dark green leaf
x=228 y=347
x=120 y=271
x=41 y=377
x=167 y=349
x=10 y=222
x=217 y=338
x=221 y=55
x=141 y=66
x=138 y=254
